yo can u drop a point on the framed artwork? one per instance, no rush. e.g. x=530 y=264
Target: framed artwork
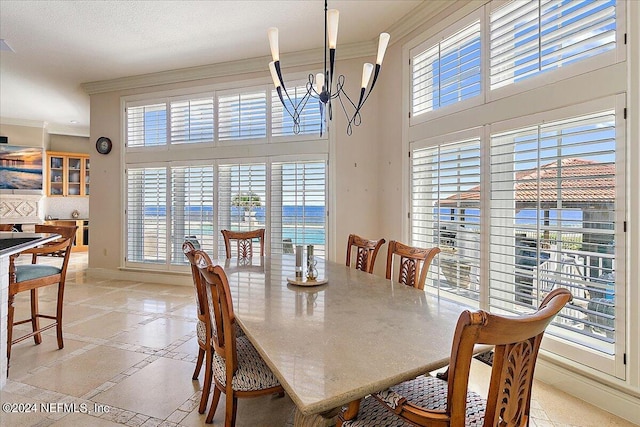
x=20 y=168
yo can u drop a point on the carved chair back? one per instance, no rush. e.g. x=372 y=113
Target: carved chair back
x=219 y=294
x=366 y=252
x=200 y=292
x=244 y=240
x=517 y=341
x=414 y=263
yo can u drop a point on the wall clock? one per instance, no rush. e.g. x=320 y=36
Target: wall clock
x=103 y=145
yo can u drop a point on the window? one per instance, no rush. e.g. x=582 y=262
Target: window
x=311 y=121
x=192 y=209
x=192 y=121
x=528 y=38
x=147 y=215
x=445 y=212
x=446 y=72
x=299 y=208
x=242 y=115
x=147 y=125
x=553 y=223
x=242 y=198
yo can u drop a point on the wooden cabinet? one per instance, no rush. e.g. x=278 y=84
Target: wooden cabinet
x=81 y=244
x=67 y=174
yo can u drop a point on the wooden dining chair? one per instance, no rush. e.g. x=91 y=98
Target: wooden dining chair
x=414 y=263
x=366 y=252
x=445 y=400
x=244 y=241
x=30 y=277
x=204 y=327
x=238 y=369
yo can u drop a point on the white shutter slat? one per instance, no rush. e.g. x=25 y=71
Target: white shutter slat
x=192 y=209
x=147 y=125
x=540 y=36
x=242 y=198
x=445 y=212
x=146 y=215
x=242 y=116
x=447 y=72
x=298 y=206
x=553 y=221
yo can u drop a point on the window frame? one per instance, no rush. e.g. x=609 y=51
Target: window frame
x=434 y=41
x=586 y=65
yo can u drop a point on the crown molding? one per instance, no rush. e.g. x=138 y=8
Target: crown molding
x=411 y=21
x=23 y=122
x=57 y=129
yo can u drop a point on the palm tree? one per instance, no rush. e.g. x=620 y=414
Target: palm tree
x=247 y=201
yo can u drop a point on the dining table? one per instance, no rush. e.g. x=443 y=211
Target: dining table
x=337 y=342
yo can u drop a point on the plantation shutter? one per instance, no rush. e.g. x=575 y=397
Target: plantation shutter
x=192 y=120
x=242 y=115
x=311 y=121
x=447 y=72
x=531 y=37
x=298 y=206
x=553 y=210
x=445 y=212
x=192 y=212
x=147 y=215
x=242 y=191
x=147 y=125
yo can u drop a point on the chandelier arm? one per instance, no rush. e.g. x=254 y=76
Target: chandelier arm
x=295 y=115
x=373 y=83
x=276 y=64
x=350 y=119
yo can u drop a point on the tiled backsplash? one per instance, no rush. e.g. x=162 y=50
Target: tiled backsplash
x=33 y=208
x=61 y=207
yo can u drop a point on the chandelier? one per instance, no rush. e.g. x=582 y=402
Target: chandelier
x=324 y=86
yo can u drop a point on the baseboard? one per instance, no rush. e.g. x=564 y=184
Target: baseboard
x=136 y=275
x=617 y=402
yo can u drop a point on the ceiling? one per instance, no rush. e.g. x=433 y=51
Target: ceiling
x=58 y=45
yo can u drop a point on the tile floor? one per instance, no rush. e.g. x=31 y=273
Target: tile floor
x=129 y=355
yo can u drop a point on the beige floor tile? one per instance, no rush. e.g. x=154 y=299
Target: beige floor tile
x=188 y=312
x=84 y=372
x=562 y=408
x=26 y=356
x=189 y=347
x=158 y=333
x=106 y=325
x=22 y=412
x=140 y=301
x=75 y=293
x=159 y=288
x=83 y=420
x=264 y=411
x=155 y=390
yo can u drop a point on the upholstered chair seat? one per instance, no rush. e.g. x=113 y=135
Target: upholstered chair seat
x=35 y=271
x=252 y=374
x=425 y=391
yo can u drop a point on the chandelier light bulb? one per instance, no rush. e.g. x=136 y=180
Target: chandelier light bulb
x=332 y=25
x=367 y=69
x=273 y=43
x=382 y=47
x=319 y=82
